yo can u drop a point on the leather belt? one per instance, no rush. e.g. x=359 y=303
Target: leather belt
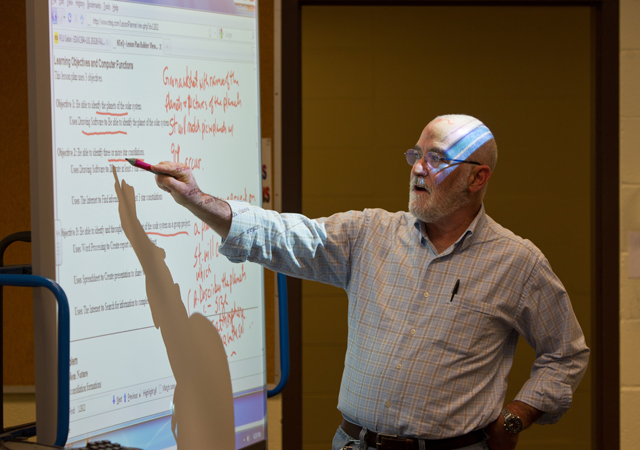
x=381 y=441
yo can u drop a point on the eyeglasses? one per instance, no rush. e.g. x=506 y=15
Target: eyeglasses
x=434 y=160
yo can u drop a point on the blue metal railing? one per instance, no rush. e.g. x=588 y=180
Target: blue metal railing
x=283 y=318
x=63 y=344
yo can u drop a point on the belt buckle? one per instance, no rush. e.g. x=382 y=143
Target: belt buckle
x=383 y=435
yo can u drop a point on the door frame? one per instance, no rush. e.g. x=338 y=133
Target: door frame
x=605 y=178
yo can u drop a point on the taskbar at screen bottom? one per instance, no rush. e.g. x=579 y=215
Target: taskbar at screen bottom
x=250 y=413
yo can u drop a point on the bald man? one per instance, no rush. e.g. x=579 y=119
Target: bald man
x=438 y=297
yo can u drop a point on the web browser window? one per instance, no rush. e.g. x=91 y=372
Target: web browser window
x=156 y=81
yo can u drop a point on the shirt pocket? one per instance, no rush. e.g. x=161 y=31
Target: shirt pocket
x=475 y=305
x=463 y=327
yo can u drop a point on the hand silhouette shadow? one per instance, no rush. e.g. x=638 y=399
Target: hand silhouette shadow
x=203 y=416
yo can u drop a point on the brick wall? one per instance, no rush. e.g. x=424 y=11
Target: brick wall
x=629 y=221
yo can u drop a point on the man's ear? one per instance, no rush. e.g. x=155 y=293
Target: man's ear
x=478 y=178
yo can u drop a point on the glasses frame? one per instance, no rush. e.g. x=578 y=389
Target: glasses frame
x=418 y=154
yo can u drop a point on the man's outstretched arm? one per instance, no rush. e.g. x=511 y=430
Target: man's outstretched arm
x=182 y=186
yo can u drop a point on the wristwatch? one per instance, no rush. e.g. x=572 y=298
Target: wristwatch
x=512 y=423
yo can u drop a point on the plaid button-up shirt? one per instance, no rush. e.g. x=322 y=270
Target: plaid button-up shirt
x=421 y=361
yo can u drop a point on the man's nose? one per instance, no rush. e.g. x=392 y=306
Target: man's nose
x=420 y=168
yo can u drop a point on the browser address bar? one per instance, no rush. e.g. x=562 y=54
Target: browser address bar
x=165 y=27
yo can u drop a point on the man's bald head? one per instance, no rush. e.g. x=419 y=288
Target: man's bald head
x=458 y=137
x=461 y=136
x=438 y=190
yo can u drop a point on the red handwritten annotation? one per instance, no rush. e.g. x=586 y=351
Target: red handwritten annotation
x=197 y=104
x=210 y=297
x=212 y=291
x=196 y=126
x=227 y=325
x=193 y=163
x=243 y=198
x=202 y=82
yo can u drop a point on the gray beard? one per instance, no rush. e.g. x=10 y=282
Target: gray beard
x=439 y=203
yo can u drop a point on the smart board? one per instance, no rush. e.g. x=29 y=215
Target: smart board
x=173 y=80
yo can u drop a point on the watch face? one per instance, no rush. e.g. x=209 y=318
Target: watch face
x=513 y=424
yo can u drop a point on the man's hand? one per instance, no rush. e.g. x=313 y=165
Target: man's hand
x=499 y=437
x=181 y=184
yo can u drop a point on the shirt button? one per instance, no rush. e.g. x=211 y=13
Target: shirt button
x=388 y=404
x=398 y=366
x=426 y=294
x=413 y=331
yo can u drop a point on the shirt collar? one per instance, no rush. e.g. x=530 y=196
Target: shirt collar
x=473 y=230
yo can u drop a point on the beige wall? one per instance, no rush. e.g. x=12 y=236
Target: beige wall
x=19 y=409
x=629 y=221
x=373 y=77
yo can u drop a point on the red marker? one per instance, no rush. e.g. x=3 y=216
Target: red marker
x=135 y=162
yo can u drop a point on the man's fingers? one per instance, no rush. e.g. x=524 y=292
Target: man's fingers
x=177 y=175
x=166 y=183
x=177 y=180
x=176 y=170
x=164 y=188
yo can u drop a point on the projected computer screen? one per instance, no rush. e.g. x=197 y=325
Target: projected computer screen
x=163 y=80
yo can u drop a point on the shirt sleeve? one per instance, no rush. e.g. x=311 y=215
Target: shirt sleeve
x=547 y=322
x=314 y=249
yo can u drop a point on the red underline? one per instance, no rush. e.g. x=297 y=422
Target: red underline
x=116 y=160
x=104 y=132
x=168 y=235
x=112 y=114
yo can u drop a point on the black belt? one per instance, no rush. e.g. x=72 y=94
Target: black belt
x=381 y=441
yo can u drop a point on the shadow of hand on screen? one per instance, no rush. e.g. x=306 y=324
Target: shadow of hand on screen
x=203 y=415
